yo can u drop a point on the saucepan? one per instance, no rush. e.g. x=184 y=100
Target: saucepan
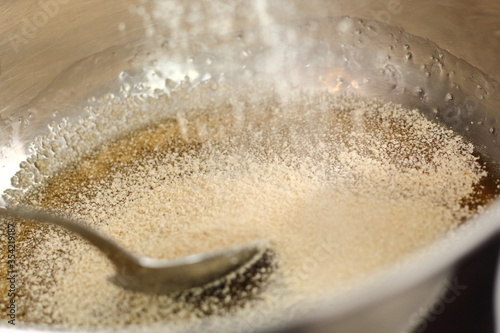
x=58 y=58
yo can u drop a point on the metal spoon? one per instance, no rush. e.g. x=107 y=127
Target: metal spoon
x=148 y=275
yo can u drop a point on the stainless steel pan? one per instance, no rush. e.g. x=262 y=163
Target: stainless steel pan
x=57 y=54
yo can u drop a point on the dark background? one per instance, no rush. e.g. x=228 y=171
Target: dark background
x=473 y=311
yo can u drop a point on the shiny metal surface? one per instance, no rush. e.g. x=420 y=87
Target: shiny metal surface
x=51 y=61
x=150 y=275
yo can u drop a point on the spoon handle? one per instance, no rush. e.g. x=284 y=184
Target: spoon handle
x=124 y=261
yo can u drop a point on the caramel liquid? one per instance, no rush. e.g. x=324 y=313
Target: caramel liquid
x=63 y=190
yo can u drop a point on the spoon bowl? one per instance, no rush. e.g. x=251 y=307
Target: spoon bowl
x=150 y=275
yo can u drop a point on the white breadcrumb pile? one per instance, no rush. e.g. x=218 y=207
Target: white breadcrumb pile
x=339 y=185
